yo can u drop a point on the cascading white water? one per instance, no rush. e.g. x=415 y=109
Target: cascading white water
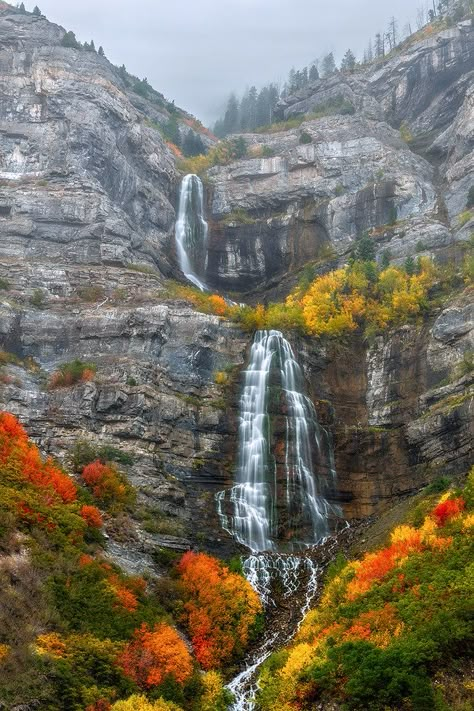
x=263 y=508
x=250 y=510
x=191 y=230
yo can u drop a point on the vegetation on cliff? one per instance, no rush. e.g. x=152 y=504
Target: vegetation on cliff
x=258 y=109
x=362 y=296
x=386 y=623
x=78 y=633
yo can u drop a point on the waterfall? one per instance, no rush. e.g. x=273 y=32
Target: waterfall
x=191 y=230
x=264 y=510
x=279 y=505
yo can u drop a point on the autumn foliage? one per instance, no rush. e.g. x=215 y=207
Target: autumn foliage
x=86 y=633
x=156 y=654
x=220 y=608
x=91 y=516
x=447 y=510
x=20 y=455
x=383 y=620
x=107 y=484
x=71 y=373
x=358 y=296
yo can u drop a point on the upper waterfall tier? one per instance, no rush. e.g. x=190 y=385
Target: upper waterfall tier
x=191 y=230
x=280 y=498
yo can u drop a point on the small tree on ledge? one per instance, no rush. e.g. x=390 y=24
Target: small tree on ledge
x=69 y=40
x=37 y=11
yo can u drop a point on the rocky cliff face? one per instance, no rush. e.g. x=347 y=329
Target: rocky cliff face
x=400 y=411
x=354 y=172
x=154 y=395
x=88 y=187
x=85 y=178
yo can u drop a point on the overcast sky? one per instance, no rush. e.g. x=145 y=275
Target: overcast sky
x=198 y=51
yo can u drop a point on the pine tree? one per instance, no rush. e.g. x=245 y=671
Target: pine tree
x=101 y=51
x=386 y=257
x=231 y=118
x=313 y=73
x=328 y=65
x=379 y=46
x=192 y=144
x=370 y=53
x=410 y=266
x=92 y=46
x=22 y=8
x=171 y=131
x=69 y=40
x=218 y=129
x=239 y=147
x=365 y=249
x=36 y=11
x=292 y=80
x=348 y=62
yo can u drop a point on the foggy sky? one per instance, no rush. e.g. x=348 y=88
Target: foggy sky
x=198 y=51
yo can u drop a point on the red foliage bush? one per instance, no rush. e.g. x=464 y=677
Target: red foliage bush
x=105 y=482
x=24 y=457
x=447 y=510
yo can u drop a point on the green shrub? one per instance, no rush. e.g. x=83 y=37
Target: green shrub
x=84 y=453
x=405 y=133
x=267 y=152
x=305 y=137
x=92 y=293
x=240 y=216
x=466 y=366
x=38 y=299
x=464 y=218
x=71 y=373
x=439 y=485
x=4 y=284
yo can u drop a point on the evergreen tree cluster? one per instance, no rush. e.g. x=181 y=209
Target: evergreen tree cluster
x=253 y=110
x=257 y=108
x=21 y=7
x=70 y=40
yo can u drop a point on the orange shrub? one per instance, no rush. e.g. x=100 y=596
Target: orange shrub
x=154 y=655
x=26 y=458
x=220 y=608
x=218 y=305
x=375 y=566
x=125 y=597
x=100 y=705
x=91 y=516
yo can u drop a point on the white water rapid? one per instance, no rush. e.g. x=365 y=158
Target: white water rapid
x=191 y=230
x=279 y=505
